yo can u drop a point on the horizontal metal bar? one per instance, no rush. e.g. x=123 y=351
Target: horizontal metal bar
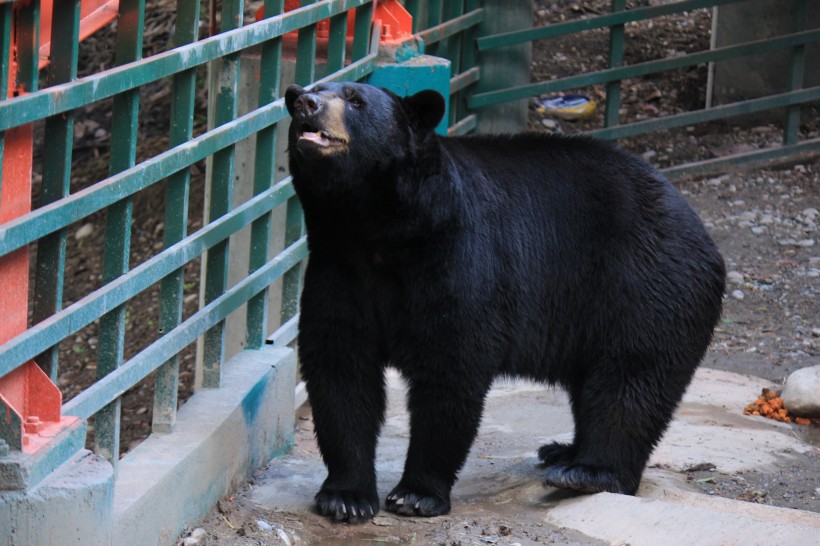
x=81 y=92
x=451 y=27
x=286 y=333
x=758 y=157
x=49 y=332
x=114 y=385
x=607 y=20
x=50 y=218
x=718 y=112
x=465 y=79
x=641 y=69
x=464 y=126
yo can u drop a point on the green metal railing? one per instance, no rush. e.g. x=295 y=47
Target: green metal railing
x=46 y=226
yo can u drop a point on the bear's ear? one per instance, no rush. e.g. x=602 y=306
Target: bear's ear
x=293 y=92
x=425 y=109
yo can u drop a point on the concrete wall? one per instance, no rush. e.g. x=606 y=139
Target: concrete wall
x=505 y=67
x=763 y=74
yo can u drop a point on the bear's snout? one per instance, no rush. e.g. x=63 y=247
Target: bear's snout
x=307 y=104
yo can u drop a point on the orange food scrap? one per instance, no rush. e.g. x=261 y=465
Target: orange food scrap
x=770 y=405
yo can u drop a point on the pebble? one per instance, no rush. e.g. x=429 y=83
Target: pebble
x=757 y=230
x=734 y=277
x=549 y=123
x=805 y=242
x=738 y=294
x=649 y=154
x=264 y=526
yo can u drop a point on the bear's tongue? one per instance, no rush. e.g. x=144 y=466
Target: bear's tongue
x=317 y=138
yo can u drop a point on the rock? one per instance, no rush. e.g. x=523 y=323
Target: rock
x=757 y=230
x=738 y=294
x=801 y=394
x=264 y=526
x=734 y=277
x=84 y=231
x=649 y=154
x=805 y=242
x=549 y=123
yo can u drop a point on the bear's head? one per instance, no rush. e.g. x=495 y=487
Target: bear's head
x=344 y=133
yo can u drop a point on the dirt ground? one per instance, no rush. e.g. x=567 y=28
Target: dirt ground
x=765 y=222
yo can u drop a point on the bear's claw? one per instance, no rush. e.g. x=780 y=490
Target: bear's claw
x=345 y=507
x=405 y=502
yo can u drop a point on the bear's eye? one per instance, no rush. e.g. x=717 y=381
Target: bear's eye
x=356 y=101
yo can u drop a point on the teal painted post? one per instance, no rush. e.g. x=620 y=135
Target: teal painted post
x=57 y=148
x=263 y=179
x=458 y=106
x=216 y=277
x=616 y=59
x=796 y=71
x=166 y=380
x=118 y=224
x=414 y=75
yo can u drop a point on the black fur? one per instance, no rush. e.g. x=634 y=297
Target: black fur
x=458 y=260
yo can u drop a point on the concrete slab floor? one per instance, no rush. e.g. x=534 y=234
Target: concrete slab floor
x=499 y=498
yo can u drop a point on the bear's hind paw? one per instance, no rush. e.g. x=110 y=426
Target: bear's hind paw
x=585 y=478
x=405 y=502
x=345 y=507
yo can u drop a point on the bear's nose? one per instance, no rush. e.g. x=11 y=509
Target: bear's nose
x=307 y=104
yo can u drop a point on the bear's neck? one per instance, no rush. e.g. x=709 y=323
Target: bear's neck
x=397 y=205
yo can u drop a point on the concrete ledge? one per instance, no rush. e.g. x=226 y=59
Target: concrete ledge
x=222 y=436
x=690 y=519
x=72 y=505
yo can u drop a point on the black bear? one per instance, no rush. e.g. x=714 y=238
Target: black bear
x=458 y=260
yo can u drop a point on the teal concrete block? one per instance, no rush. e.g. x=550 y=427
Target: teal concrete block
x=72 y=505
x=414 y=75
x=23 y=471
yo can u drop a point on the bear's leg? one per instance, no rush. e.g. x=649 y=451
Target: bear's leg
x=444 y=420
x=344 y=376
x=619 y=418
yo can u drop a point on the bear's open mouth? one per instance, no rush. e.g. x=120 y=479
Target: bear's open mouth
x=318 y=137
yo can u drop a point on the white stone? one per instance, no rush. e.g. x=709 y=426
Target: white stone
x=738 y=294
x=757 y=230
x=805 y=242
x=801 y=394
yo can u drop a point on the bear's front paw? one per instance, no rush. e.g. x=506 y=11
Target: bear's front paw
x=406 y=502
x=586 y=479
x=346 y=506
